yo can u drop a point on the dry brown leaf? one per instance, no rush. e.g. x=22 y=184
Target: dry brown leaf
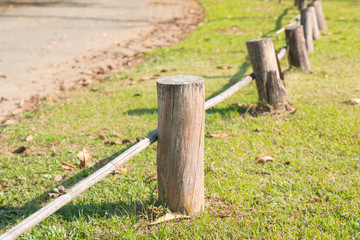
x=168 y=217
x=20 y=150
x=101 y=137
x=58 y=178
x=3 y=186
x=56 y=142
x=218 y=135
x=352 y=101
x=155 y=210
x=29 y=138
x=67 y=166
x=212 y=166
x=222 y=215
x=146 y=78
x=264 y=159
x=168 y=70
x=224 y=67
x=262 y=173
x=84 y=157
x=7 y=154
x=62 y=86
x=315 y=200
x=151 y=178
x=54 y=195
x=258 y=129
x=121 y=170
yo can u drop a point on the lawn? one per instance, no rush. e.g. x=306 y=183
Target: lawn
x=312 y=189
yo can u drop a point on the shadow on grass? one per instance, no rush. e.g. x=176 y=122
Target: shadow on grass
x=278 y=24
x=135 y=209
x=10 y=214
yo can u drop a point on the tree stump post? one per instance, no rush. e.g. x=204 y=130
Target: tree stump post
x=316 y=30
x=297 y=54
x=180 y=151
x=307 y=22
x=301 y=4
x=320 y=15
x=269 y=80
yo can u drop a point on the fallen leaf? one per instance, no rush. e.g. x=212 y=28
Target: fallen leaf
x=84 y=157
x=263 y=173
x=212 y=166
x=258 y=130
x=286 y=163
x=62 y=87
x=7 y=154
x=137 y=95
x=155 y=210
x=222 y=215
x=121 y=170
x=146 y=78
x=62 y=189
x=352 y=101
x=17 y=111
x=224 y=67
x=52 y=99
x=168 y=217
x=55 y=142
x=315 y=200
x=264 y=159
x=58 y=178
x=3 y=186
x=54 y=195
x=101 y=137
x=168 y=70
x=218 y=135
x=29 y=138
x=151 y=178
x=67 y=166
x=20 y=150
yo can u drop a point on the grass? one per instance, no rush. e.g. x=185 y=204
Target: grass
x=316 y=195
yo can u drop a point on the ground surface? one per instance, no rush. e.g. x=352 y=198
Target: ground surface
x=311 y=191
x=48 y=44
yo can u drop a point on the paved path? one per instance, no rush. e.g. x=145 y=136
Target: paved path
x=38 y=37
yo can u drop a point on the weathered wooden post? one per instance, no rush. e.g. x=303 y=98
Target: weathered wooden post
x=316 y=30
x=180 y=151
x=301 y=4
x=269 y=81
x=307 y=22
x=297 y=54
x=320 y=15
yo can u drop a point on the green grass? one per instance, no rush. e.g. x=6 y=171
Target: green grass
x=321 y=141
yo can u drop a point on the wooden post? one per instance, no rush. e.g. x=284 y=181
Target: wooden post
x=296 y=3
x=180 y=151
x=269 y=80
x=320 y=15
x=316 y=30
x=307 y=22
x=301 y=4
x=297 y=54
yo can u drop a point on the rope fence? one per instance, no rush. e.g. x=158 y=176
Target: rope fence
x=182 y=105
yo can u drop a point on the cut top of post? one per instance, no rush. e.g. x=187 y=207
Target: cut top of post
x=260 y=40
x=180 y=80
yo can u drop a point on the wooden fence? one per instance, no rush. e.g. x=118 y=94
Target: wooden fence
x=182 y=105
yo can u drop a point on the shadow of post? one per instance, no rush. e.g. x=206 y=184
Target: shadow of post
x=277 y=23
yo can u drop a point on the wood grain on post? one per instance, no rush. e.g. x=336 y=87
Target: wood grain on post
x=269 y=81
x=307 y=22
x=180 y=151
x=316 y=30
x=297 y=53
x=320 y=15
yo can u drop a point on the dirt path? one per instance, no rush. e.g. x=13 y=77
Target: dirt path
x=48 y=46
